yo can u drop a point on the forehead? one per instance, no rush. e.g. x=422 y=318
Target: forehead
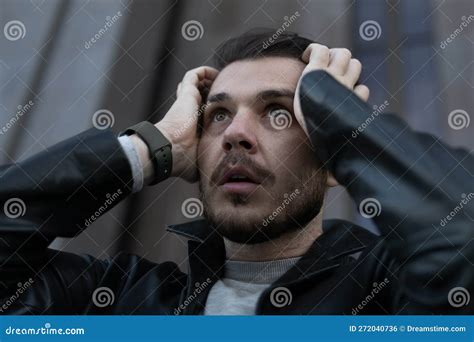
x=243 y=78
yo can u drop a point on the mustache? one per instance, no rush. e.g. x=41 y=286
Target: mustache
x=241 y=159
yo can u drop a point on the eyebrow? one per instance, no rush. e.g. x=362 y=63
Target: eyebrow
x=220 y=97
x=264 y=95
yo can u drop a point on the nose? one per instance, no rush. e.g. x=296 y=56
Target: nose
x=240 y=134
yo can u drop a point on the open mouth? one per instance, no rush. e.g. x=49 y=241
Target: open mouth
x=239 y=180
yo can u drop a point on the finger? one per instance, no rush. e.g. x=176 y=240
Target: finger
x=190 y=78
x=317 y=55
x=193 y=77
x=339 y=60
x=353 y=72
x=204 y=86
x=362 y=91
x=205 y=72
x=205 y=83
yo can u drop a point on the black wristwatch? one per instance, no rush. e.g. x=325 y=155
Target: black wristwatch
x=159 y=147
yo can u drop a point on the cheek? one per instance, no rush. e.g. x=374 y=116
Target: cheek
x=292 y=155
x=288 y=144
x=206 y=150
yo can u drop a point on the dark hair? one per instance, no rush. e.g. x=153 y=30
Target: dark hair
x=260 y=43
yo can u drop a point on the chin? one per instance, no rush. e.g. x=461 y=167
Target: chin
x=242 y=222
x=237 y=210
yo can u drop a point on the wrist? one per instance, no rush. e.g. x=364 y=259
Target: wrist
x=177 y=150
x=153 y=149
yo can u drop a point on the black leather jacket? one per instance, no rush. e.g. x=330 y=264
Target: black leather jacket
x=417 y=266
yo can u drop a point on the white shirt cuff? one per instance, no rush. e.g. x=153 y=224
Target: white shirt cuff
x=133 y=158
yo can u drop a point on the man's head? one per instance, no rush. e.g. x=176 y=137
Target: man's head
x=259 y=176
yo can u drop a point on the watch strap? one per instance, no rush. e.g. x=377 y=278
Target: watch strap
x=159 y=147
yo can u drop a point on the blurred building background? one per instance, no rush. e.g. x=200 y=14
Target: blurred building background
x=61 y=61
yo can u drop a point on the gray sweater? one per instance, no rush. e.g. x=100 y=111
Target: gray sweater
x=238 y=292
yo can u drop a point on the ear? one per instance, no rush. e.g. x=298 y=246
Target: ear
x=331 y=181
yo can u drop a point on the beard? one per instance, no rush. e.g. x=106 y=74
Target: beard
x=292 y=206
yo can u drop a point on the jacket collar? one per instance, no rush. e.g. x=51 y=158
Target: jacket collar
x=197 y=230
x=206 y=256
x=339 y=237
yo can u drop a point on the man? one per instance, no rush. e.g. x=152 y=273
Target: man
x=280 y=125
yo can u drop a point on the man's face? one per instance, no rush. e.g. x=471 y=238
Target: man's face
x=259 y=177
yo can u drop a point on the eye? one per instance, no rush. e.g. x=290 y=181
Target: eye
x=219 y=115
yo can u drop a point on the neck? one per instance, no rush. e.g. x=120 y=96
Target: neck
x=289 y=245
